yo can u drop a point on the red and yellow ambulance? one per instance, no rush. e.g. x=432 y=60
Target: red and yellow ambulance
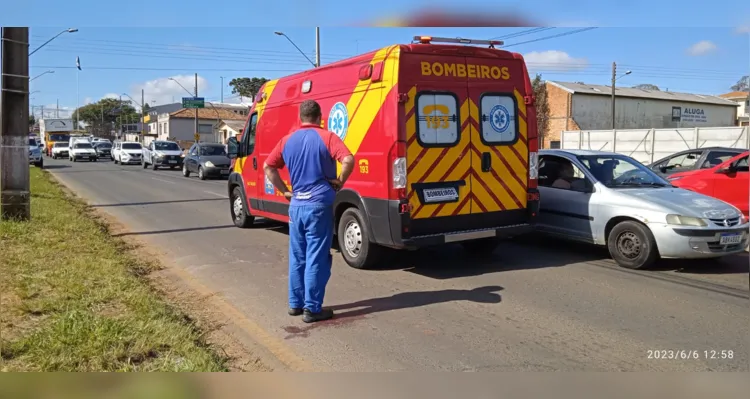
x=444 y=138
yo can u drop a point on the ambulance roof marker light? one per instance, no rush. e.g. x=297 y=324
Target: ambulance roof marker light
x=457 y=40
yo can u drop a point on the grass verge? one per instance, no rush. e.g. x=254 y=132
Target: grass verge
x=73 y=298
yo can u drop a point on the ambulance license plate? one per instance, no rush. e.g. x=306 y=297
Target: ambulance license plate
x=444 y=194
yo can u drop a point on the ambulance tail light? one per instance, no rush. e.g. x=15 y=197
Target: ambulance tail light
x=398 y=170
x=533 y=169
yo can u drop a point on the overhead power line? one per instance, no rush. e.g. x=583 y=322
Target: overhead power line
x=550 y=37
x=521 y=33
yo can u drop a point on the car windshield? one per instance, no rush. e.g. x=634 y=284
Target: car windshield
x=213 y=150
x=619 y=171
x=58 y=145
x=82 y=145
x=32 y=142
x=131 y=146
x=162 y=146
x=59 y=137
x=104 y=145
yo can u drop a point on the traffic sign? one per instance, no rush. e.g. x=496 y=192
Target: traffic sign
x=197 y=137
x=193 y=102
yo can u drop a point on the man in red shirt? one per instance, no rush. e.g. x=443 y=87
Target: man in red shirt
x=310 y=154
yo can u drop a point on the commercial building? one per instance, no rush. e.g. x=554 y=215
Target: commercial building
x=581 y=106
x=743 y=111
x=180 y=125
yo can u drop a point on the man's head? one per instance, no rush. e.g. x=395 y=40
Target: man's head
x=309 y=112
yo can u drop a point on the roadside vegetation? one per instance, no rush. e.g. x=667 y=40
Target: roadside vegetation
x=73 y=298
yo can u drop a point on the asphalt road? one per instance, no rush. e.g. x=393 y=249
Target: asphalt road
x=537 y=305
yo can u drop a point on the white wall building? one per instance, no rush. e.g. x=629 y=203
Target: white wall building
x=180 y=125
x=743 y=111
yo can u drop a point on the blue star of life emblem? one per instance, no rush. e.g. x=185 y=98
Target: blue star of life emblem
x=338 y=120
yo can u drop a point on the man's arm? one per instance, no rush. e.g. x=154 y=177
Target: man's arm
x=341 y=153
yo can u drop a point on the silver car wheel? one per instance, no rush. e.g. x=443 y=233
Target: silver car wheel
x=237 y=207
x=353 y=239
x=629 y=244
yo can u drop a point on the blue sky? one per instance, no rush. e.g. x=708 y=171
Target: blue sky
x=123 y=59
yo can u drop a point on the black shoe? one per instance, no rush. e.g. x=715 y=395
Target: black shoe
x=310 y=317
x=295 y=311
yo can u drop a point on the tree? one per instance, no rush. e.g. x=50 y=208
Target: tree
x=146 y=107
x=247 y=87
x=106 y=114
x=542 y=106
x=32 y=120
x=647 y=86
x=743 y=84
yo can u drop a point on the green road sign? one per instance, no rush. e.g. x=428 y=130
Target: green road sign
x=193 y=102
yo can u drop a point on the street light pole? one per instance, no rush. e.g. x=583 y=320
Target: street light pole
x=69 y=30
x=295 y=46
x=41 y=74
x=222 y=89
x=317 y=46
x=614 y=80
x=197 y=133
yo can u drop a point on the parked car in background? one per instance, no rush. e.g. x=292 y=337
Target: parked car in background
x=694 y=159
x=35 y=153
x=60 y=149
x=611 y=199
x=128 y=152
x=207 y=160
x=162 y=153
x=103 y=149
x=82 y=150
x=727 y=181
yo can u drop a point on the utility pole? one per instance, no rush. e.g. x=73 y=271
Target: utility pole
x=196 y=110
x=14 y=120
x=222 y=89
x=614 y=77
x=57 y=110
x=317 y=46
x=143 y=113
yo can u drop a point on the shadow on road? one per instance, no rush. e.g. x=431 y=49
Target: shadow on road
x=405 y=300
x=141 y=233
x=157 y=202
x=56 y=166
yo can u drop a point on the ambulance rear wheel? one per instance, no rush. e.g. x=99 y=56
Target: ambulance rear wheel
x=237 y=208
x=354 y=241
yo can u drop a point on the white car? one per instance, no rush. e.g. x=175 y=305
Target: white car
x=82 y=150
x=163 y=153
x=35 y=154
x=60 y=149
x=127 y=152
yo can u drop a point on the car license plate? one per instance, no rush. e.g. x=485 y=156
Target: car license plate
x=440 y=194
x=172 y=161
x=225 y=172
x=728 y=239
x=84 y=156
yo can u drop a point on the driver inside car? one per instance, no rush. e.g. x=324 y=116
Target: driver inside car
x=565 y=176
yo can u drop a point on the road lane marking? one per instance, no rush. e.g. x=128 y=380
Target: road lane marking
x=165 y=181
x=216 y=194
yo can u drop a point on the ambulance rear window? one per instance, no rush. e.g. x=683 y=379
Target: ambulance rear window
x=499 y=122
x=437 y=119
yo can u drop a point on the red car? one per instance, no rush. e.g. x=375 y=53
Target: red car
x=726 y=181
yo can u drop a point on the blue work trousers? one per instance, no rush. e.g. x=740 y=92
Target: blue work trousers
x=310 y=259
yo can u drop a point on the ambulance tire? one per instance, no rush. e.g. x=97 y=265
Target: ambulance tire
x=238 y=209
x=481 y=247
x=360 y=253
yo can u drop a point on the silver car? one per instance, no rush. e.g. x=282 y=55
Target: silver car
x=611 y=199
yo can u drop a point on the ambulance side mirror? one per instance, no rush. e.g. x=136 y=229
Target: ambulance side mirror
x=232 y=148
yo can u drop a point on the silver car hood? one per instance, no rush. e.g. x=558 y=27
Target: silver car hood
x=681 y=202
x=164 y=153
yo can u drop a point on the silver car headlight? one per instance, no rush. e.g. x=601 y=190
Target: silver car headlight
x=209 y=164
x=680 y=220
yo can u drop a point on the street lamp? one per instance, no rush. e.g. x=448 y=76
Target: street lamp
x=41 y=74
x=615 y=79
x=183 y=87
x=69 y=30
x=295 y=46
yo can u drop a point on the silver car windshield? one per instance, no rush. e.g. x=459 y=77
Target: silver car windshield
x=618 y=171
